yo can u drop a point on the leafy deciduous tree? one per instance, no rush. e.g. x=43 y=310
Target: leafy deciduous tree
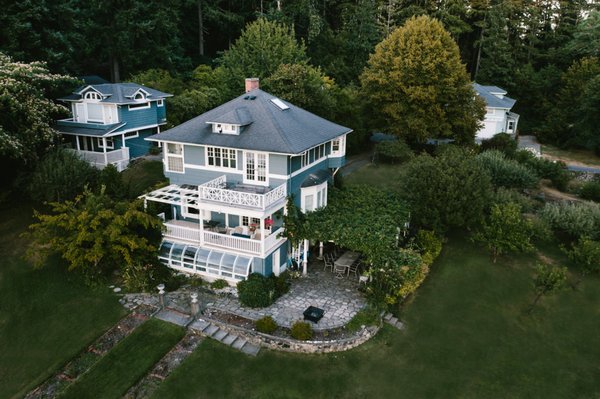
x=417 y=85
x=548 y=280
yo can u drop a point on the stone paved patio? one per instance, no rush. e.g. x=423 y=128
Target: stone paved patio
x=340 y=299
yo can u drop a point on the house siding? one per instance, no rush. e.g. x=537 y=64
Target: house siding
x=139 y=117
x=296 y=181
x=278 y=164
x=138 y=146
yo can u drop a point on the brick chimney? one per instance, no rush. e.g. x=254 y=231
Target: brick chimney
x=251 y=84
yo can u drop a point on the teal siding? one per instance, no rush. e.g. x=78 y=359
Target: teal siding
x=138 y=117
x=138 y=146
x=268 y=265
x=198 y=176
x=296 y=164
x=161 y=113
x=337 y=162
x=296 y=181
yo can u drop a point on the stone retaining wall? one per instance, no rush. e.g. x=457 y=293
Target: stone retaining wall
x=292 y=345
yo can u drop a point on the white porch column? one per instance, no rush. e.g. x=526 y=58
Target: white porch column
x=262 y=236
x=305 y=258
x=320 y=249
x=104 y=150
x=77 y=143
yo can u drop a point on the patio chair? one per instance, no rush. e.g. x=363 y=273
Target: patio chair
x=354 y=269
x=257 y=236
x=328 y=263
x=339 y=271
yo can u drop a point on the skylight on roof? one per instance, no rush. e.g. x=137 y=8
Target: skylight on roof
x=282 y=106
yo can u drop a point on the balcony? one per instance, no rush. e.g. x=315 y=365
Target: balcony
x=119 y=158
x=191 y=233
x=219 y=190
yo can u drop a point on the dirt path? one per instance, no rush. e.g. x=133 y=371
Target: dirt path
x=554 y=194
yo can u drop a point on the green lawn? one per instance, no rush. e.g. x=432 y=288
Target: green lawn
x=468 y=335
x=127 y=362
x=46 y=316
x=141 y=175
x=583 y=156
x=381 y=175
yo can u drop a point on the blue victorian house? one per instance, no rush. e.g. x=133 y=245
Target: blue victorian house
x=231 y=171
x=110 y=121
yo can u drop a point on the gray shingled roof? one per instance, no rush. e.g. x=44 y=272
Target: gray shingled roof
x=95 y=130
x=316 y=178
x=290 y=131
x=239 y=116
x=491 y=100
x=118 y=93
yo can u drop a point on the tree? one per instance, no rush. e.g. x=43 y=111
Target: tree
x=586 y=38
x=61 y=175
x=505 y=231
x=450 y=190
x=259 y=51
x=26 y=114
x=304 y=86
x=548 y=280
x=585 y=253
x=95 y=235
x=417 y=86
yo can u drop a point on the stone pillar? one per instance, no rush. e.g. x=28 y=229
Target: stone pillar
x=195 y=307
x=161 y=295
x=320 y=250
x=305 y=258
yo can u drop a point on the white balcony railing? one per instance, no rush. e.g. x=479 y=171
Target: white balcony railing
x=190 y=232
x=119 y=158
x=215 y=190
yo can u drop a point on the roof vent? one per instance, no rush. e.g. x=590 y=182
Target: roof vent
x=282 y=106
x=246 y=97
x=252 y=97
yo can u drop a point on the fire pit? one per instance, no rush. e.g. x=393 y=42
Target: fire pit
x=313 y=314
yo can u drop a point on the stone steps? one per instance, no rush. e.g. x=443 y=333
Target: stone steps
x=236 y=342
x=393 y=321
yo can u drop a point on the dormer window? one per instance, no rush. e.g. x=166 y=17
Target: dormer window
x=139 y=96
x=92 y=95
x=225 y=128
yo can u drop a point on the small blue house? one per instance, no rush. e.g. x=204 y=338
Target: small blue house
x=110 y=121
x=231 y=171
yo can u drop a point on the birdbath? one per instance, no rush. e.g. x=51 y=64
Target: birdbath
x=161 y=295
x=195 y=308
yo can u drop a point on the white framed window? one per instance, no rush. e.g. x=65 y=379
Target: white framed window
x=221 y=157
x=130 y=135
x=256 y=168
x=191 y=211
x=313 y=198
x=225 y=128
x=511 y=125
x=110 y=143
x=313 y=155
x=135 y=107
x=160 y=103
x=304 y=159
x=249 y=221
x=338 y=146
x=138 y=96
x=92 y=95
x=174 y=158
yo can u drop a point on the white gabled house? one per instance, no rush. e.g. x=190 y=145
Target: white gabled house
x=231 y=171
x=498 y=117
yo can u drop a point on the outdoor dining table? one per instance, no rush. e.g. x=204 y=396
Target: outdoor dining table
x=346 y=260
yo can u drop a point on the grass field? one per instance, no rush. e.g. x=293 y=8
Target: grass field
x=581 y=156
x=46 y=316
x=468 y=335
x=381 y=175
x=127 y=362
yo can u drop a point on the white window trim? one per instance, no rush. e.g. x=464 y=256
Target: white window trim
x=341 y=147
x=219 y=128
x=221 y=168
x=255 y=181
x=187 y=214
x=160 y=103
x=313 y=190
x=137 y=107
x=167 y=154
x=109 y=145
x=128 y=135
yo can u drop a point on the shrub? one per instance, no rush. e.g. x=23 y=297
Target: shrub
x=266 y=325
x=506 y=172
x=219 y=284
x=394 y=152
x=556 y=172
x=429 y=243
x=281 y=283
x=574 y=220
x=502 y=142
x=140 y=277
x=591 y=191
x=112 y=181
x=301 y=330
x=503 y=195
x=60 y=176
x=585 y=253
x=257 y=291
